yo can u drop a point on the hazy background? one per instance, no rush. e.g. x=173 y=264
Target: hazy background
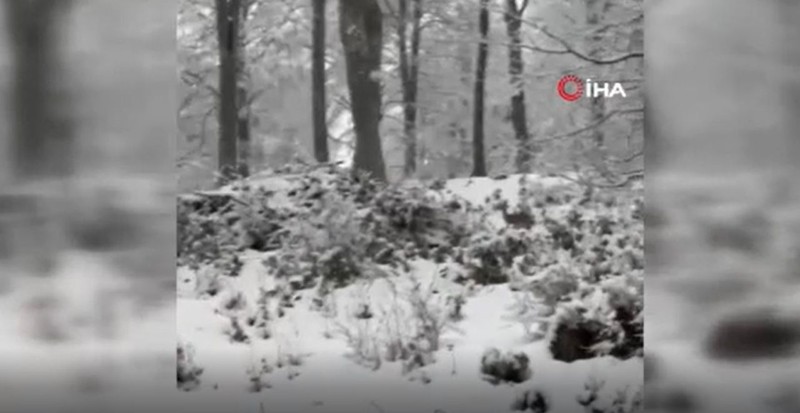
x=722 y=229
x=87 y=269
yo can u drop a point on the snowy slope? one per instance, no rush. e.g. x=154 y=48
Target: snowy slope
x=326 y=378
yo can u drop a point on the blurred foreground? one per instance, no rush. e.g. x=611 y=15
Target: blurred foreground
x=723 y=206
x=86 y=200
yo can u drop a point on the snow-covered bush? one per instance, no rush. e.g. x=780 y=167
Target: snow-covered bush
x=261 y=319
x=573 y=259
x=205 y=235
x=497 y=367
x=235 y=331
x=430 y=319
x=583 y=278
x=531 y=400
x=623 y=401
x=245 y=320
x=489 y=255
x=321 y=223
x=602 y=319
x=406 y=328
x=576 y=257
x=362 y=341
x=188 y=372
x=257 y=374
x=416 y=218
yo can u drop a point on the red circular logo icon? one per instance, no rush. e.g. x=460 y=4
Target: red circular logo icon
x=562 y=88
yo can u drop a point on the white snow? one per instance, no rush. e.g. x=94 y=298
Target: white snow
x=329 y=380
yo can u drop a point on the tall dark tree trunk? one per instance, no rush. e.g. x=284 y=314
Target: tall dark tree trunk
x=42 y=128
x=478 y=151
x=319 y=106
x=409 y=75
x=228 y=19
x=243 y=129
x=243 y=96
x=519 y=121
x=361 y=30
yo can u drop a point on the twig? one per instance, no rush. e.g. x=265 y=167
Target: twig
x=377 y=407
x=568 y=49
x=233 y=198
x=589 y=127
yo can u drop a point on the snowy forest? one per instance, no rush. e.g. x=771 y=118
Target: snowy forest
x=391 y=196
x=454 y=88
x=388 y=206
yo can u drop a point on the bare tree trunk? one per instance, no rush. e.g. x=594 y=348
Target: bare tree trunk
x=43 y=136
x=243 y=128
x=361 y=30
x=478 y=151
x=228 y=19
x=409 y=75
x=519 y=121
x=466 y=71
x=243 y=95
x=594 y=14
x=318 y=102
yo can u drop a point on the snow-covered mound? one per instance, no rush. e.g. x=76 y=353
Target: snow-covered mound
x=415 y=331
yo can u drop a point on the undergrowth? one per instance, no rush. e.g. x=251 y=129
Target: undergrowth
x=575 y=257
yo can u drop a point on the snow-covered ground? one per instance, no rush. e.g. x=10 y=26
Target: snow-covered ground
x=106 y=340
x=131 y=367
x=695 y=284
x=136 y=354
x=310 y=352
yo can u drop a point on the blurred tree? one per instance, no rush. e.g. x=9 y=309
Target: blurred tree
x=653 y=142
x=789 y=12
x=42 y=127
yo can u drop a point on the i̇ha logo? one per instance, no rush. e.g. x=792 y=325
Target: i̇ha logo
x=571 y=88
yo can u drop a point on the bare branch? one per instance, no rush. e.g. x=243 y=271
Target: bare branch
x=628 y=158
x=596 y=124
x=568 y=49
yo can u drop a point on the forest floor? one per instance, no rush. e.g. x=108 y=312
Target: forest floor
x=309 y=363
